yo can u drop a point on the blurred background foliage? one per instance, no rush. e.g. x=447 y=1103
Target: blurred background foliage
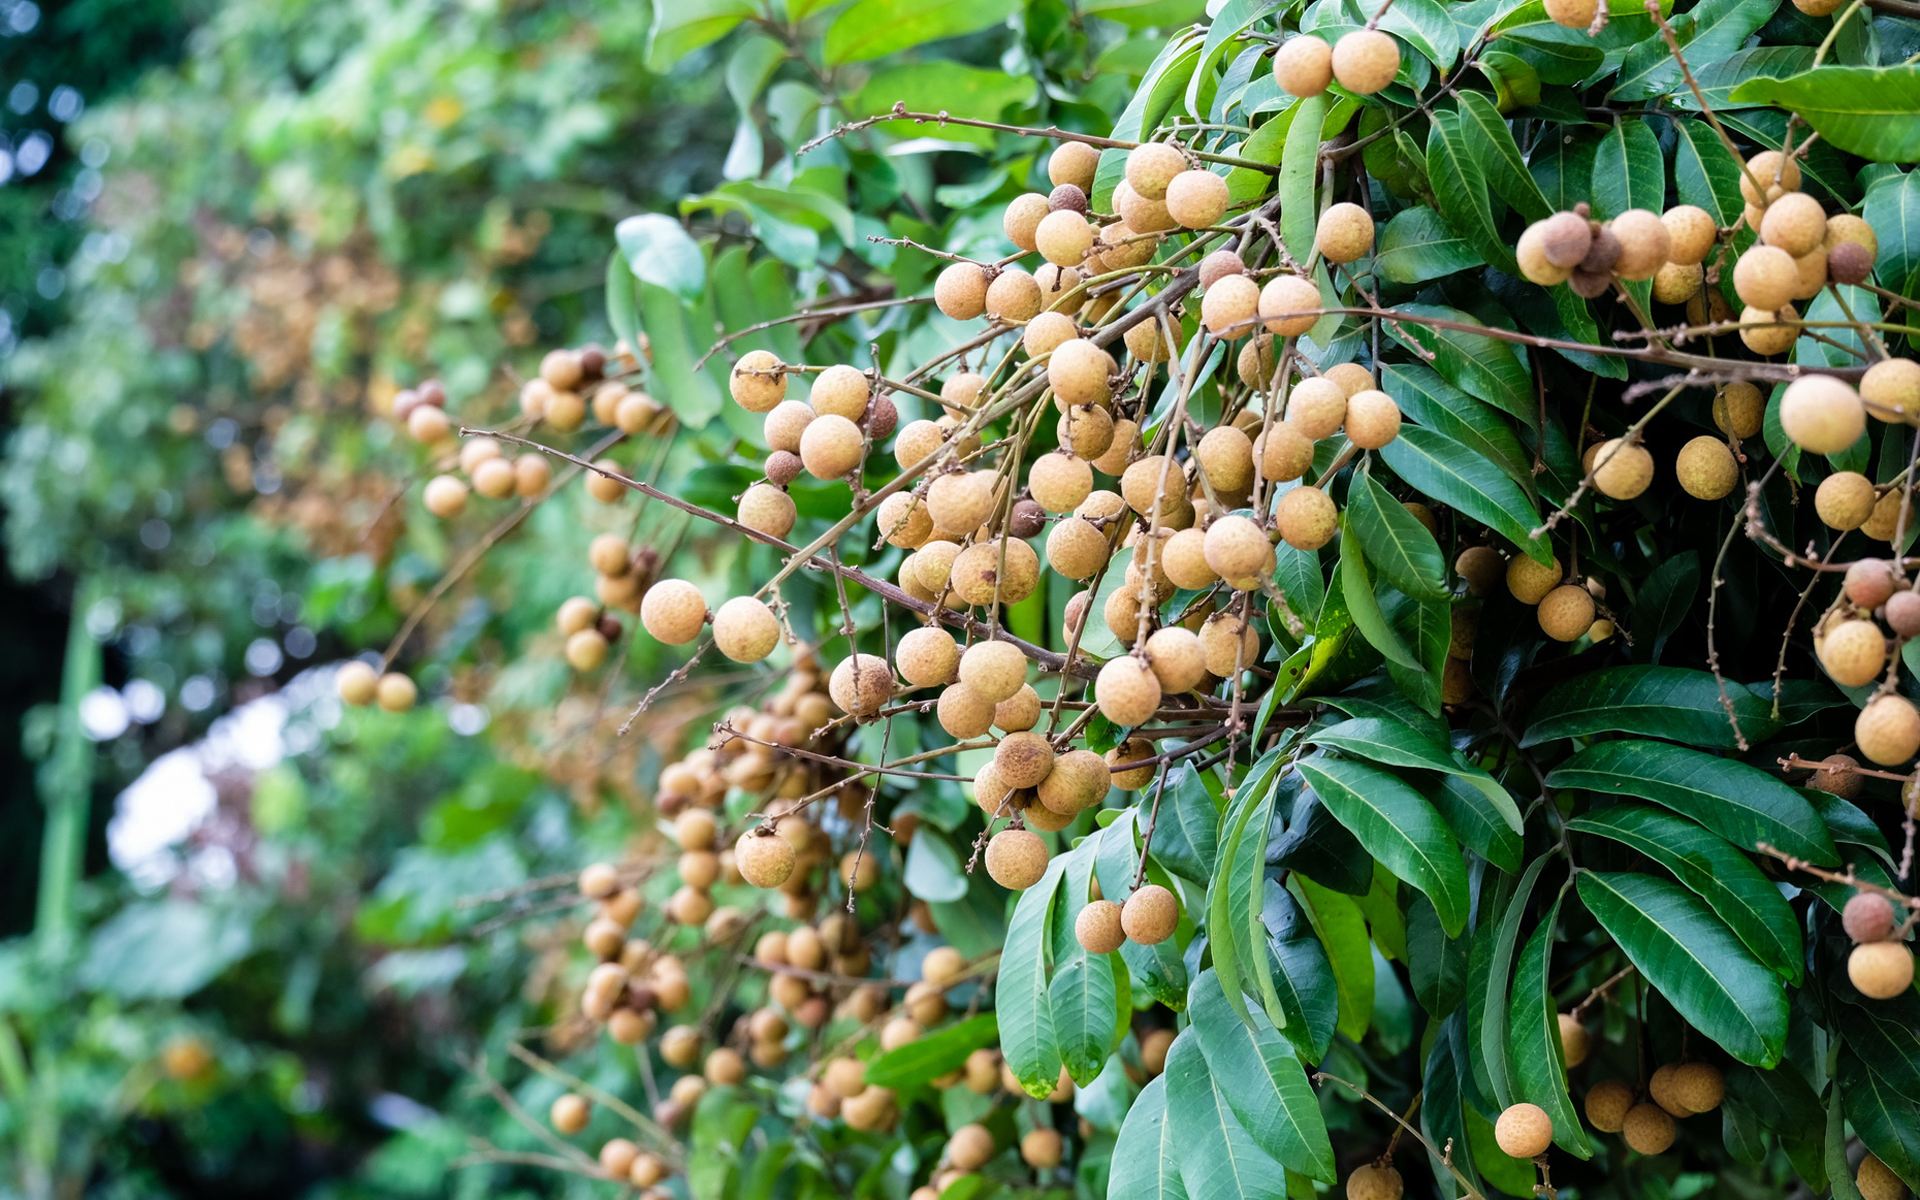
x=230 y=232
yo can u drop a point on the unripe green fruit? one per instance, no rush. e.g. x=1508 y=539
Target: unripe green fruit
x=1126 y=691
x=1523 y=1130
x=1344 y=234
x=673 y=611
x=758 y=382
x=1365 y=61
x=1150 y=915
x=745 y=629
x=1307 y=518
x=1706 y=468
x=1289 y=304
x=832 y=447
x=1016 y=859
x=1303 y=66
x=1197 y=199
x=1822 y=414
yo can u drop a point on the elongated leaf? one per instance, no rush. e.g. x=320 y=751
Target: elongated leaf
x=1219 y=1159
x=662 y=253
x=1460 y=187
x=1299 y=171
x=1444 y=470
x=1081 y=999
x=1737 y=891
x=686 y=25
x=1489 y=971
x=1673 y=703
x=1745 y=805
x=1870 y=111
x=1146 y=1161
x=1418 y=244
x=1533 y=1038
x=1263 y=1081
x=1021 y=1000
x=1302 y=975
x=1483 y=365
x=1682 y=949
x=1342 y=931
x=1662 y=606
x=1398 y=827
x=1234 y=898
x=1490 y=141
x=1356 y=588
x=1186 y=832
x=870 y=29
x=1892 y=207
x=1427 y=27
x=1430 y=400
x=1480 y=811
x=1395 y=541
x=1881 y=1111
x=933 y=1054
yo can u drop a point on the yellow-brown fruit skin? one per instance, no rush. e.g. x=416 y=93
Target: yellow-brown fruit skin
x=1622 y=471
x=1016 y=859
x=1575 y=1042
x=764 y=862
x=1891 y=390
x=1648 y=1129
x=673 y=611
x=1844 y=500
x=1881 y=970
x=1523 y=1131
x=1706 y=468
x=1197 y=199
x=1607 y=1105
x=1853 y=652
x=1566 y=612
x=1699 y=1086
x=1365 y=60
x=1303 y=66
x=1098 y=927
x=1307 y=518
x=1875 y=1179
x=1375 y=1181
x=1126 y=691
x=1888 y=730
x=1530 y=581
x=1289 y=304
x=1344 y=234
x=1739 y=409
x=1150 y=915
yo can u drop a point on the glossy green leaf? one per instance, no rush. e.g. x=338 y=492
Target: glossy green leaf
x=1398 y=827
x=1477 y=363
x=1263 y=1081
x=1302 y=975
x=1395 y=541
x=1417 y=244
x=1490 y=972
x=1873 y=112
x=684 y=26
x=1442 y=469
x=1021 y=1000
x=1146 y=1164
x=1746 y=805
x=1694 y=960
x=870 y=29
x=1490 y=141
x=1342 y=931
x=1082 y=1001
x=1356 y=588
x=1533 y=1038
x=1674 y=703
x=660 y=252
x=933 y=1054
x=1219 y=1159
x=1460 y=188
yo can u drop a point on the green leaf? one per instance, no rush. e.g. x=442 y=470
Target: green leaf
x=1219 y=1159
x=1738 y=891
x=684 y=26
x=1263 y=1081
x=1302 y=974
x=932 y=1054
x=871 y=29
x=1460 y=188
x=1021 y=1000
x=1356 y=588
x=163 y=949
x=1481 y=365
x=1158 y=89
x=1873 y=112
x=1479 y=810
x=1674 y=703
x=660 y=252
x=1418 y=245
x=1146 y=1163
x=1398 y=827
x=1426 y=628
x=1490 y=141
x=1426 y=399
x=1892 y=207
x=1082 y=999
x=1443 y=469
x=1186 y=833
x=939 y=86
x=1533 y=1038
x=1299 y=172
x=1489 y=972
x=1665 y=600
x=1705 y=175
x=1234 y=893
x=933 y=871
x=1683 y=950
x=1336 y=920
x=1746 y=805
x=1427 y=27
x=1394 y=540
x=669 y=323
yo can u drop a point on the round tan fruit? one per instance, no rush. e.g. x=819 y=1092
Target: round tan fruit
x=1079 y=373
x=1844 y=500
x=1853 y=652
x=1891 y=390
x=1875 y=1179
x=1699 y=1086
x=1059 y=482
x=831 y=447
x=1881 y=970
x=1375 y=1181
x=1621 y=470
x=1238 y=551
x=586 y=650
x=1643 y=243
x=1575 y=1042
x=961 y=291
x=1307 y=518
x=1317 y=407
x=1365 y=60
x=1795 y=223
x=861 y=684
x=1177 y=659
x=1530 y=581
x=1765 y=277
x=1126 y=691
x=1284 y=452
x=994 y=670
x=1523 y=1131
x=1063 y=237
x=1229 y=306
x=673 y=611
x=1197 y=199
x=1022 y=760
x=569 y=1113
x=1098 y=927
x=1773 y=173
x=1079 y=781
x=927 y=656
x=1151 y=168
x=1373 y=419
x=1073 y=163
x=1225 y=455
x=758 y=382
x=1150 y=915
x=764 y=861
x=745 y=629
x=1868 y=917
x=1014 y=295
x=1607 y=1105
x=1822 y=414
x=1344 y=234
x=356 y=683
x=1016 y=859
x=1648 y=1129
x=1303 y=66
x=1077 y=549
x=1738 y=409
x=1290 y=304
x=1769 y=332
x=395 y=692
x=1888 y=730
x=1690 y=234
x=1706 y=468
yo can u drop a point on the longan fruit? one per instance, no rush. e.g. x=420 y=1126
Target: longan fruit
x=1575 y=1042
x=1063 y=237
x=1822 y=414
x=831 y=447
x=1078 y=372
x=1769 y=332
x=1648 y=1129
x=1196 y=199
x=395 y=692
x=1022 y=760
x=1316 y=407
x=673 y=611
x=1303 y=66
x=1022 y=218
x=1699 y=1086
x=1059 y=482
x=1869 y=582
x=927 y=656
x=1566 y=612
x=569 y=1113
x=1738 y=409
x=1126 y=691
x=841 y=391
x=861 y=684
x=1151 y=168
x=445 y=496
x=1073 y=163
x=1184 y=559
x=1290 y=304
x=1838 y=775
x=1225 y=455
x=565 y=410
x=1365 y=61
x=1079 y=781
x=960 y=501
x=1013 y=296
x=1771 y=170
x=1874 y=1178
x=1133 y=750
x=1677 y=283
x=1238 y=551
x=1218 y=265
x=1016 y=859
x=576 y=613
x=1572 y=14
x=767 y=509
x=1523 y=1130
x=1794 y=223
x=1373 y=419
x=994 y=670
x=1375 y=1181
x=1868 y=917
x=1097 y=927
x=1881 y=970
x=1042 y=336
x=1545 y=243
x=1884 y=521
x=1148 y=344
x=1690 y=234
x=1607 y=1105
x=1150 y=915
x=1344 y=234
x=1307 y=517
x=745 y=629
x=970 y=1147
x=428 y=425
x=1007 y=570
x=960 y=291
x=1621 y=470
x=1075 y=549
x=586 y=650
x=1120 y=451
x=1175 y=656
x=758 y=382
x=1530 y=581
x=1765 y=277
x=1891 y=390
x=1644 y=243
x=1042 y=1149
x=1706 y=468
x=1256 y=363
x=1018 y=712
x=356 y=683
x=1153 y=485
x=1888 y=730
x=1481 y=569
x=1285 y=453
x=1853 y=652
x=764 y=861
x=1230 y=304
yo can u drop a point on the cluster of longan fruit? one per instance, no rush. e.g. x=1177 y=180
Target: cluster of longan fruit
x=1855 y=651
x=621 y=1158
x=422 y=411
x=359 y=684
x=1880 y=964
x=1567 y=609
x=1646 y=1118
